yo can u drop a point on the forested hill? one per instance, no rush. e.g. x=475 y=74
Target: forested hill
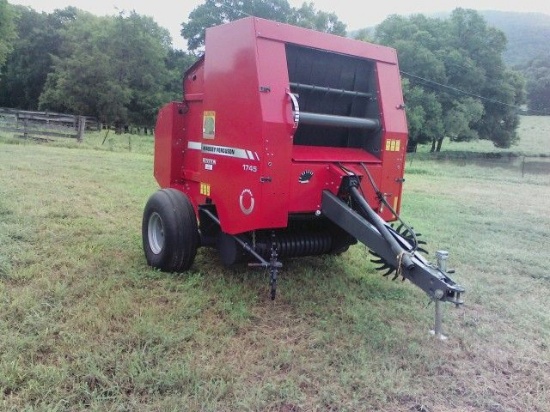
x=528 y=34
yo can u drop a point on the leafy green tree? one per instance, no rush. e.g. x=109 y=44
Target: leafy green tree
x=456 y=73
x=84 y=80
x=139 y=51
x=177 y=62
x=424 y=114
x=25 y=72
x=7 y=30
x=537 y=73
x=113 y=68
x=215 y=12
x=500 y=120
x=503 y=89
x=364 y=34
x=307 y=16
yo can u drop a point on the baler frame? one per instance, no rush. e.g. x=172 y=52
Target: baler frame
x=287 y=142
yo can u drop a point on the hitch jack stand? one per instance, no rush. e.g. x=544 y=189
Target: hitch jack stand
x=442 y=256
x=274 y=266
x=436 y=331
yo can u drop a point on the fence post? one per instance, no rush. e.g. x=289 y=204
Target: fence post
x=25 y=129
x=81 y=128
x=523 y=167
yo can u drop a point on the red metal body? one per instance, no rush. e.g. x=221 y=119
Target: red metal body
x=232 y=140
x=288 y=142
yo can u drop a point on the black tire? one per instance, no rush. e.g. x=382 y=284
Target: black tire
x=169 y=231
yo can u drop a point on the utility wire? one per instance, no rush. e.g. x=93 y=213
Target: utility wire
x=456 y=90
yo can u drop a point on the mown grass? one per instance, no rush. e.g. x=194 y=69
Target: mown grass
x=105 y=140
x=534 y=132
x=85 y=324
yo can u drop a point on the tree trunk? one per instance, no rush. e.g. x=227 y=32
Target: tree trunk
x=433 y=146
x=439 y=143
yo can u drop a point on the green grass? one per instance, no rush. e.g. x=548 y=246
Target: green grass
x=86 y=324
x=99 y=140
x=534 y=132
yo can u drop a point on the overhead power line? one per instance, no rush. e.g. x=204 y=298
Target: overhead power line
x=437 y=85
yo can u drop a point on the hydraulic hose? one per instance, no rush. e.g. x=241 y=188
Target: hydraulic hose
x=400 y=253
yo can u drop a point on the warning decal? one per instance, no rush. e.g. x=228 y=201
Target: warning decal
x=209 y=125
x=393 y=145
x=205 y=189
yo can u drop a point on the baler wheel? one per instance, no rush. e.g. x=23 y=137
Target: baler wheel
x=169 y=231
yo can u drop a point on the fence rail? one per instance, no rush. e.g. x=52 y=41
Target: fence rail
x=522 y=164
x=43 y=126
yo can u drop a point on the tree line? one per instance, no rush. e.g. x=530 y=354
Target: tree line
x=122 y=69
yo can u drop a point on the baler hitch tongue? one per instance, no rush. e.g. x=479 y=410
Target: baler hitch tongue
x=395 y=251
x=454 y=293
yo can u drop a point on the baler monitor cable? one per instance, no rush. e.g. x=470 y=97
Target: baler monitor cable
x=380 y=196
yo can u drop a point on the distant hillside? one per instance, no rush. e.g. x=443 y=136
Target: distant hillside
x=528 y=34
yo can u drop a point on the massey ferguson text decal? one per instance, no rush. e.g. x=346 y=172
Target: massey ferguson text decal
x=224 y=151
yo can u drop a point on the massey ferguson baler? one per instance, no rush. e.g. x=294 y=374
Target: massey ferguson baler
x=287 y=142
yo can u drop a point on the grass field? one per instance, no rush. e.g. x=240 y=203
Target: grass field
x=534 y=132
x=86 y=325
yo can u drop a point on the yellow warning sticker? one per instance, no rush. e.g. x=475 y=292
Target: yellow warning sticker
x=393 y=145
x=205 y=189
x=209 y=124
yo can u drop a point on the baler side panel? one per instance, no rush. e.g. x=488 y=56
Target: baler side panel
x=308 y=179
x=236 y=149
x=175 y=165
x=190 y=173
x=311 y=179
x=394 y=141
x=277 y=131
x=168 y=144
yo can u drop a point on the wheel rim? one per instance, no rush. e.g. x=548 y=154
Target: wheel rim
x=156 y=233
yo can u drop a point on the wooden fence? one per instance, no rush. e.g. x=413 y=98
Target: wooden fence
x=45 y=126
x=522 y=164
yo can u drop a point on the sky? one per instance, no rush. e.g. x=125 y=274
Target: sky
x=171 y=13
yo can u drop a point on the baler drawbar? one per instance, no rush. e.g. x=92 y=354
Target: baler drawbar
x=287 y=142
